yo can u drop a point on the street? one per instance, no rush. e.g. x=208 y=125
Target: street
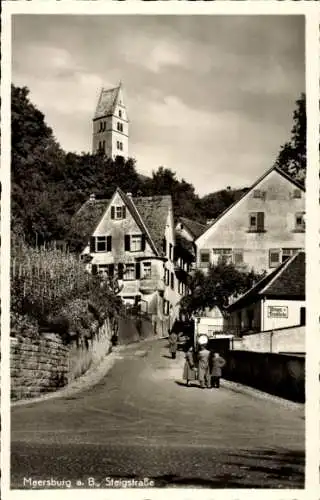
x=141 y=421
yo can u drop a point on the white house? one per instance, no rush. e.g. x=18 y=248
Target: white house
x=263 y=228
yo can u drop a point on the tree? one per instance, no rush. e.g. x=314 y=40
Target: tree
x=222 y=282
x=292 y=158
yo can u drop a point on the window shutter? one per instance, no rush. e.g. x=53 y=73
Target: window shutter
x=109 y=243
x=164 y=245
x=260 y=221
x=94 y=268
x=137 y=270
x=127 y=242
x=92 y=244
x=112 y=212
x=120 y=271
x=143 y=242
x=111 y=270
x=123 y=212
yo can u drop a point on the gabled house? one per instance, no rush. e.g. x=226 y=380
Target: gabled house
x=263 y=228
x=276 y=301
x=132 y=238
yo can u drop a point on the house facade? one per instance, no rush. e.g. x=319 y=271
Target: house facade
x=110 y=133
x=132 y=240
x=263 y=228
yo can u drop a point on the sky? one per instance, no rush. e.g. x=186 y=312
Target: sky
x=210 y=97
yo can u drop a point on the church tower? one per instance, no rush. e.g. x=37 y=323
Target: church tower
x=110 y=124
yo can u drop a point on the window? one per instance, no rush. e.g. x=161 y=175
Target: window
x=120 y=126
x=238 y=257
x=257 y=193
x=274 y=257
x=204 y=258
x=172 y=281
x=120 y=113
x=222 y=255
x=170 y=251
x=129 y=272
x=167 y=276
x=119 y=145
x=103 y=243
x=297 y=193
x=147 y=270
x=299 y=222
x=287 y=253
x=256 y=222
x=118 y=212
x=136 y=243
x=166 y=305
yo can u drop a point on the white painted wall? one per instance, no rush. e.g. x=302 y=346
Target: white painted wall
x=292 y=309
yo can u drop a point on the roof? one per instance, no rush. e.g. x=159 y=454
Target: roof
x=287 y=281
x=107 y=102
x=274 y=168
x=88 y=217
x=194 y=227
x=154 y=213
x=149 y=212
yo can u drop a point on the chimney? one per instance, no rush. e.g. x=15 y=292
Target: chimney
x=92 y=197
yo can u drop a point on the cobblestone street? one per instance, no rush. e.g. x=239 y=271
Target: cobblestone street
x=141 y=421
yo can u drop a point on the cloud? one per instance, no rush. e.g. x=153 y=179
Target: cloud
x=210 y=97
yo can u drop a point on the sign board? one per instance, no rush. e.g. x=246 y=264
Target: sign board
x=277 y=311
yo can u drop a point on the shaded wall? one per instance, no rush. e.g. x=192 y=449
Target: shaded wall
x=278 y=374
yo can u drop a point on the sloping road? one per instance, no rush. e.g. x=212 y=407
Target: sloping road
x=140 y=421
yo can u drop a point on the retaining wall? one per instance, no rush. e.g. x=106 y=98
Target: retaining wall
x=45 y=364
x=279 y=374
x=37 y=365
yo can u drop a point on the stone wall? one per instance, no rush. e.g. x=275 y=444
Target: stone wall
x=282 y=340
x=45 y=364
x=37 y=365
x=279 y=374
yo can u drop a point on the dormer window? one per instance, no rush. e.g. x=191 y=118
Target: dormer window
x=118 y=212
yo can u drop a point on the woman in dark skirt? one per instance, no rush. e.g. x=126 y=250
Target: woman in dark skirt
x=189 y=369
